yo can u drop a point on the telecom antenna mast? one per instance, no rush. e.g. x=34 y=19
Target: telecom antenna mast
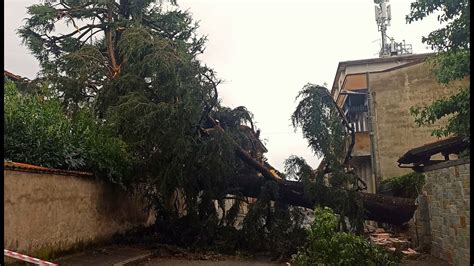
x=382 y=17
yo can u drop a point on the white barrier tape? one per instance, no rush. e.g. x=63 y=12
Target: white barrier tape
x=22 y=257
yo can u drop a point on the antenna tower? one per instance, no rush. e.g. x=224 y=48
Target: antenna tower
x=382 y=17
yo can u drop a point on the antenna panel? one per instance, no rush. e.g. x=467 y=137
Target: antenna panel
x=384 y=10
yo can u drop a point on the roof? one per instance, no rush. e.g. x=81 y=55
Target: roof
x=40 y=169
x=344 y=64
x=423 y=153
x=254 y=138
x=14 y=77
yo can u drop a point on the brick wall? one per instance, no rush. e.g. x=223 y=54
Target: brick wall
x=443 y=216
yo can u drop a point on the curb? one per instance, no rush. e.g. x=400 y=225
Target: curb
x=134 y=260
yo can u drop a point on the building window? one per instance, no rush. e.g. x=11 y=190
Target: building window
x=356 y=110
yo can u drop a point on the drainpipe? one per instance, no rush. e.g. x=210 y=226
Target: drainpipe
x=373 y=140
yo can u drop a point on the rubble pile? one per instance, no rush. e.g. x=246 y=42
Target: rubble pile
x=391 y=242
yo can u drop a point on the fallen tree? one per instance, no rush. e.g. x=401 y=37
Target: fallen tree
x=147 y=84
x=379 y=208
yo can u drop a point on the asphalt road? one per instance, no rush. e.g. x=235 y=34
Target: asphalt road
x=177 y=262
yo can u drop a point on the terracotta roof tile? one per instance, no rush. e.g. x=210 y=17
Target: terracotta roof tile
x=12 y=76
x=39 y=169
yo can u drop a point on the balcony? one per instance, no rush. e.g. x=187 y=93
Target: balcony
x=358 y=119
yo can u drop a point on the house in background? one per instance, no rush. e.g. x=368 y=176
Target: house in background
x=13 y=77
x=376 y=96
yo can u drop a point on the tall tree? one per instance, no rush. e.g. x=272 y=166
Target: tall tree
x=135 y=63
x=452 y=62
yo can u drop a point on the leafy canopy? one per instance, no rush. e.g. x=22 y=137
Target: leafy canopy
x=452 y=62
x=328 y=134
x=135 y=65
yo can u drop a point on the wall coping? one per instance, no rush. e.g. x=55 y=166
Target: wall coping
x=23 y=167
x=446 y=164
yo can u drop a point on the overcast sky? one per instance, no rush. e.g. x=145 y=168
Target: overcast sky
x=266 y=51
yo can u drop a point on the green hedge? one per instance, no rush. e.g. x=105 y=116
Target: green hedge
x=38 y=131
x=406 y=186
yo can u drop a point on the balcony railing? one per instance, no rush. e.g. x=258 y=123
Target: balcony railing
x=359 y=122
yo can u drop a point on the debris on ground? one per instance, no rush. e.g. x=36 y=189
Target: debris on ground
x=391 y=242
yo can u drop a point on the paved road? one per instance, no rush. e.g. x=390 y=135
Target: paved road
x=177 y=262
x=109 y=255
x=120 y=255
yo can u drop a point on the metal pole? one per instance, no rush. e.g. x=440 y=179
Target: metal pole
x=372 y=136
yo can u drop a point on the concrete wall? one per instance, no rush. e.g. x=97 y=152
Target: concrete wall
x=442 y=220
x=47 y=213
x=394 y=92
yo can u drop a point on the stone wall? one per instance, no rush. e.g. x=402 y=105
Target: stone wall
x=395 y=92
x=45 y=213
x=443 y=216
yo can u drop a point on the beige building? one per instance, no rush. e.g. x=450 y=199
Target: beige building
x=376 y=96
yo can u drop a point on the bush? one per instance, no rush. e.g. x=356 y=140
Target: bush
x=38 y=131
x=405 y=186
x=327 y=246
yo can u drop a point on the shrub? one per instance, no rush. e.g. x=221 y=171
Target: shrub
x=406 y=186
x=38 y=131
x=327 y=246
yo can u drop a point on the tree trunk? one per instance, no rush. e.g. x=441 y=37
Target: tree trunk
x=380 y=208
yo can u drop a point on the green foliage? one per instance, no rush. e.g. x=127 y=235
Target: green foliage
x=37 y=131
x=272 y=226
x=135 y=64
x=327 y=246
x=455 y=15
x=324 y=127
x=407 y=186
x=452 y=62
x=452 y=65
x=320 y=122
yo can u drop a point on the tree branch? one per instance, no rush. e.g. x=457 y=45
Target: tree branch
x=115 y=69
x=88 y=38
x=90 y=26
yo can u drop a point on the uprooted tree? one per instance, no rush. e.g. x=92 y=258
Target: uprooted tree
x=134 y=63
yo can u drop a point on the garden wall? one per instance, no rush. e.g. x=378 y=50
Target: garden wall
x=443 y=216
x=46 y=211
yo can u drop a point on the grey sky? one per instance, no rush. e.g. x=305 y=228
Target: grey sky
x=266 y=50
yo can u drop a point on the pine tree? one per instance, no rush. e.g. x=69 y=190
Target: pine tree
x=135 y=63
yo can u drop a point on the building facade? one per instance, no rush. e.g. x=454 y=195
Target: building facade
x=376 y=96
